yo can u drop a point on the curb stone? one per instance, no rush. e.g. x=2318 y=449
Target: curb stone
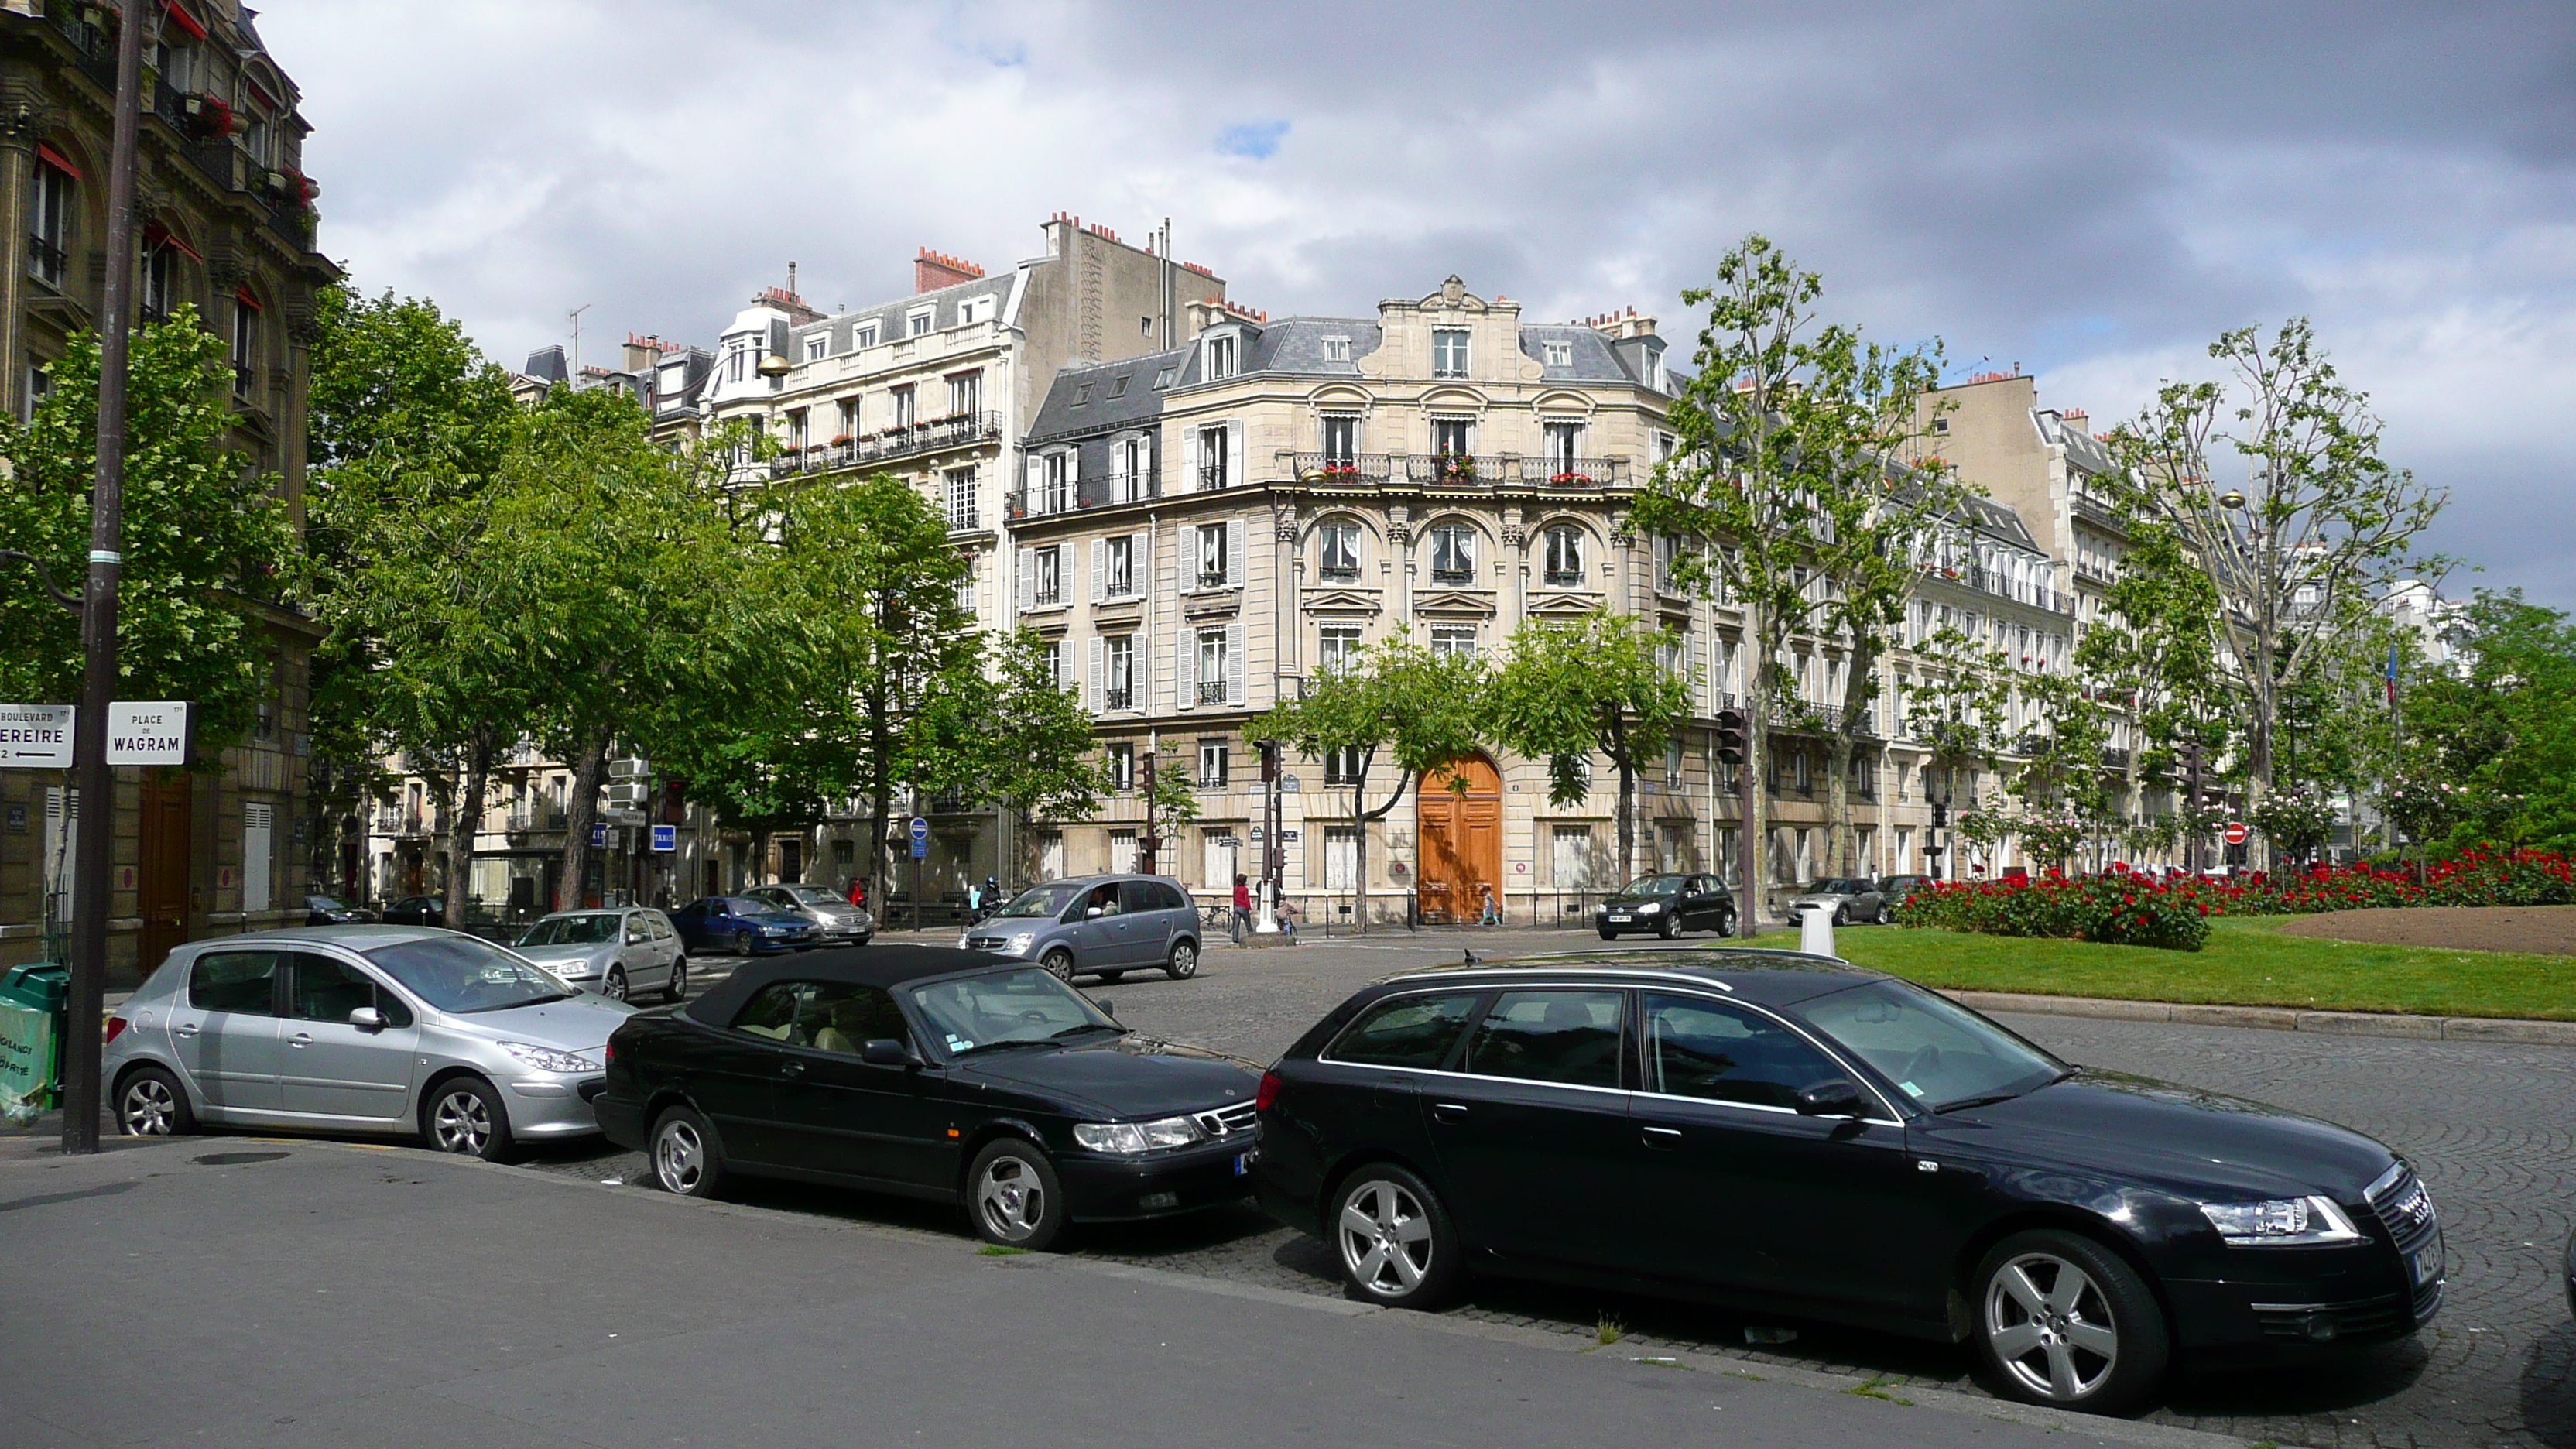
x=2504 y=1030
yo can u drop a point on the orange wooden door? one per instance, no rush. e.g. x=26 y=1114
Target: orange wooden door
x=1459 y=817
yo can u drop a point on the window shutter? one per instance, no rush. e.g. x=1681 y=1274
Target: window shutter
x=1034 y=500
x=1096 y=699
x=1234 y=474
x=1140 y=678
x=1099 y=569
x=1028 y=579
x=1234 y=663
x=1189 y=461
x=1237 y=567
x=1185 y=669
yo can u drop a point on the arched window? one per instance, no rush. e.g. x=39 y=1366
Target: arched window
x=1564 y=550
x=1453 y=554
x=1337 y=551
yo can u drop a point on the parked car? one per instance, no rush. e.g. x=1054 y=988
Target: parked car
x=985 y=1082
x=836 y=921
x=1101 y=925
x=331 y=911
x=1768 y=1129
x=416 y=911
x=1850 y=898
x=1667 y=904
x=741 y=925
x=370 y=1029
x=613 y=952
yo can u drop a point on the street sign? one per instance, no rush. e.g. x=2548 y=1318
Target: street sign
x=36 y=736
x=147 y=732
x=666 y=837
x=2236 y=832
x=598 y=834
x=920 y=838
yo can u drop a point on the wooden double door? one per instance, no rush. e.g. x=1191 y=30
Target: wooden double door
x=1458 y=815
x=162 y=875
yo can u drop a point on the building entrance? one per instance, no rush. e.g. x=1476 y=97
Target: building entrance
x=1460 y=830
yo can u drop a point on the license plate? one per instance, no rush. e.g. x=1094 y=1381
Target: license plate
x=2425 y=1264
x=1243 y=1161
x=1622 y=918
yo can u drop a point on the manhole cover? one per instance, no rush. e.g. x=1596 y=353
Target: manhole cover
x=236 y=1159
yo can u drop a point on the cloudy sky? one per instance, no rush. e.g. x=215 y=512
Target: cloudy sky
x=2090 y=192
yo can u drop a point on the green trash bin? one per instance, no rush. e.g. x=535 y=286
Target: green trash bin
x=31 y=1032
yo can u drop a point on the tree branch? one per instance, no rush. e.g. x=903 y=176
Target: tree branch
x=44 y=576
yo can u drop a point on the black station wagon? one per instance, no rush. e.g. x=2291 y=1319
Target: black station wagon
x=1785 y=1132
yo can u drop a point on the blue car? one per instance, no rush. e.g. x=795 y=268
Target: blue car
x=741 y=925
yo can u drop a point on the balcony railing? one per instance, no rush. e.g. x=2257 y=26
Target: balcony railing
x=962 y=518
x=1987 y=581
x=1564 y=578
x=1343 y=574
x=1456 y=470
x=1572 y=472
x=45 y=261
x=958 y=431
x=1101 y=492
x=1212 y=691
x=1118 y=696
x=1452 y=470
x=1351 y=470
x=1453 y=576
x=1215 y=579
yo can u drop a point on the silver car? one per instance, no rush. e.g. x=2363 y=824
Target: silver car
x=1850 y=898
x=1096 y=925
x=613 y=952
x=361 y=1029
x=836 y=921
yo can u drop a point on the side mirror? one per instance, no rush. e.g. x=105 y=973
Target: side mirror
x=367 y=1018
x=886 y=1051
x=1833 y=1097
x=1107 y=1008
x=1090 y=912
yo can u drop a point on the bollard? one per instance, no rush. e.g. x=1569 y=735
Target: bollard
x=1816 y=931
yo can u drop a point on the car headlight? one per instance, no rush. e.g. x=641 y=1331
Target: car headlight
x=1649 y=908
x=1133 y=1137
x=547 y=1059
x=2280 y=1222
x=1019 y=943
x=776 y=930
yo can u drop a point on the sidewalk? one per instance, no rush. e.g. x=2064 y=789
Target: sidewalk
x=242 y=1291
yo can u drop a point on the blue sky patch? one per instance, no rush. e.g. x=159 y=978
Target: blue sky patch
x=1256 y=139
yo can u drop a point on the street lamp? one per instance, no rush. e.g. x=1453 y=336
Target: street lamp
x=776 y=365
x=2229 y=499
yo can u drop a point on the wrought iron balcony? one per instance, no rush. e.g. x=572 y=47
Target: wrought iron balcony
x=1118 y=696
x=1453 y=576
x=1343 y=574
x=1564 y=578
x=45 y=261
x=1212 y=691
x=1572 y=472
x=1215 y=579
x=963 y=518
x=1342 y=469
x=1456 y=470
x=960 y=430
x=1104 y=491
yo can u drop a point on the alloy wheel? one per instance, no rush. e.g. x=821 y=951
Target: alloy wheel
x=1011 y=1198
x=614 y=987
x=679 y=1157
x=148 y=1109
x=1386 y=1237
x=679 y=978
x=2051 y=1327
x=742 y=943
x=1185 y=961
x=461 y=1123
x=1060 y=964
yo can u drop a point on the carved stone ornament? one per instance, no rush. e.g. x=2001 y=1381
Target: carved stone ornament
x=1399 y=533
x=1515 y=536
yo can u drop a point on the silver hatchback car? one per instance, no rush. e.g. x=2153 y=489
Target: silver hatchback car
x=1096 y=925
x=361 y=1028
x=616 y=952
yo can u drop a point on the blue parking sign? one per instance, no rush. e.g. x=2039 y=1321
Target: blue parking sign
x=920 y=838
x=666 y=837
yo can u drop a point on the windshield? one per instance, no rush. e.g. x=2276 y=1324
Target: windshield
x=1654 y=885
x=1028 y=1005
x=590 y=930
x=322 y=903
x=464 y=975
x=1935 y=1051
x=1839 y=888
x=805 y=895
x=1046 y=900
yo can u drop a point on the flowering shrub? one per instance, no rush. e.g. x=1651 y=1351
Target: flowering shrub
x=2122 y=908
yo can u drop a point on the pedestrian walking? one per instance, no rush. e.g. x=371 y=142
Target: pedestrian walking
x=859 y=891
x=1242 y=906
x=1288 y=918
x=1493 y=913
x=974 y=903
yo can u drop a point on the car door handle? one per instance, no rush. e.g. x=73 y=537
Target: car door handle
x=300 y=1039
x=1663 y=1137
x=791 y=1069
x=185 y=1028
x=1448 y=1111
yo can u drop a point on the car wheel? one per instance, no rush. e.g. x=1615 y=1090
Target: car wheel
x=1842 y=915
x=742 y=943
x=614 y=986
x=1060 y=962
x=2064 y=1321
x=1886 y=914
x=1667 y=928
x=1609 y=935
x=1014 y=1197
x=679 y=986
x=153 y=1104
x=687 y=1160
x=1395 y=1242
x=1184 y=962
x=466 y=1117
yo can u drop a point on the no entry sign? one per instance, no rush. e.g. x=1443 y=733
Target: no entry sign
x=2236 y=832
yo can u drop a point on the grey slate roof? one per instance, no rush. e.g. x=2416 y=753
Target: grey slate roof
x=890 y=317
x=1104 y=405
x=1593 y=359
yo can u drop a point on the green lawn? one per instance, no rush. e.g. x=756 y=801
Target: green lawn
x=2246 y=963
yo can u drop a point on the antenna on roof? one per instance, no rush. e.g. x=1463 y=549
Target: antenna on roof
x=576 y=337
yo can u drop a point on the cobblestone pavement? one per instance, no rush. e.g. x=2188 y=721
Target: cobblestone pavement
x=2492 y=1128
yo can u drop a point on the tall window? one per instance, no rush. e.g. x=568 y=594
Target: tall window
x=1212 y=456
x=1341 y=439
x=1453 y=641
x=1220 y=358
x=1564 y=446
x=1122 y=765
x=848 y=408
x=1212 y=762
x=157 y=274
x=966 y=586
x=49 y=223
x=1133 y=460
x=1118 y=567
x=1449 y=352
x=1212 y=666
x=904 y=412
x=1059 y=483
x=1049 y=585
x=1214 y=570
x=1341 y=857
x=1337 y=647
x=1449 y=437
x=1118 y=673
x=735 y=353
x=245 y=343
x=796 y=430
x=1564 y=548
x=1453 y=554
x=1055 y=651
x=1339 y=545
x=961 y=499
x=965 y=394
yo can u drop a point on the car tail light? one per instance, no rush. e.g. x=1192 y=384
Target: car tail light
x=115 y=1024
x=608 y=1054
x=1266 y=1093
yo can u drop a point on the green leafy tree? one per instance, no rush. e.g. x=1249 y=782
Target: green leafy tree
x=2500 y=731
x=205 y=538
x=2150 y=659
x=1171 y=803
x=1031 y=744
x=1396 y=704
x=1607 y=684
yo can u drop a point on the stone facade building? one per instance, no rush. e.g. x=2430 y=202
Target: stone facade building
x=223 y=220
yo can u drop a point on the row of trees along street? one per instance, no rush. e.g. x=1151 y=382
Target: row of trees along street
x=496 y=575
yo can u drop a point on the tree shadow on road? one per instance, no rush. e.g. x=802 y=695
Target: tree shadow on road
x=2549 y=1389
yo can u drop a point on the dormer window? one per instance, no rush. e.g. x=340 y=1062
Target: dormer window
x=1559 y=354
x=1449 y=352
x=1163 y=379
x=863 y=335
x=1220 y=357
x=1337 y=349
x=918 y=324
x=818 y=347
x=974 y=310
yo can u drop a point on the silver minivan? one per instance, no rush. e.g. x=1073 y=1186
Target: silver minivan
x=368 y=1029
x=1096 y=925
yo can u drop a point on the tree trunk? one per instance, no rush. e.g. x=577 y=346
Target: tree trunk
x=1757 y=749
x=1842 y=846
x=876 y=848
x=1359 y=829
x=580 y=809
x=1615 y=745
x=464 y=823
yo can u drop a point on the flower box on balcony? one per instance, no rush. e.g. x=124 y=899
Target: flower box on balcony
x=1341 y=472
x=208 y=116
x=840 y=440
x=1212 y=579
x=1571 y=480
x=1457 y=470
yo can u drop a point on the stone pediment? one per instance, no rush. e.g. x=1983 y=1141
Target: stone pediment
x=1342 y=601
x=1563 y=604
x=1467 y=603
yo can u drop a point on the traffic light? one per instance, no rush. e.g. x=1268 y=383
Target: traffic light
x=1269 y=760
x=1730 y=736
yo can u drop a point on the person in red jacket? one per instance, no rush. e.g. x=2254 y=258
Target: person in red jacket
x=1242 y=907
x=858 y=892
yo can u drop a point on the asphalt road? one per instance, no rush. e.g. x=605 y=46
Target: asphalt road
x=2493 y=1129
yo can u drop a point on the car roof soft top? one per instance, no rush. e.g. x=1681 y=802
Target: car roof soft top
x=885 y=966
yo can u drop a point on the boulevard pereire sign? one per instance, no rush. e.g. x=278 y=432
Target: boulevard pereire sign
x=139 y=732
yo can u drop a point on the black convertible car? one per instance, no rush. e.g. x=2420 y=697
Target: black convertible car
x=932 y=1073
x=1785 y=1132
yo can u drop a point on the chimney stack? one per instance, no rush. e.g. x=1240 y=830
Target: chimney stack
x=934 y=270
